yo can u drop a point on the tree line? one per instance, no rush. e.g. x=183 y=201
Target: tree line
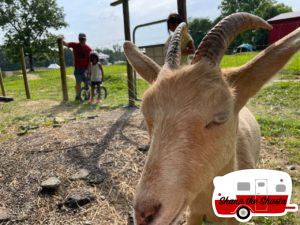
x=28 y=24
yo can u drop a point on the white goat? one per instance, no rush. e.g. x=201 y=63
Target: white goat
x=197 y=120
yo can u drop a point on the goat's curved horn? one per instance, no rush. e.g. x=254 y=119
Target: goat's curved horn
x=173 y=55
x=217 y=40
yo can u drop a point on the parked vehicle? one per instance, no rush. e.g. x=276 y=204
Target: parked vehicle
x=254 y=192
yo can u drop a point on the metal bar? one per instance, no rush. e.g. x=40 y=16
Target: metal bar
x=23 y=65
x=63 y=70
x=133 y=38
x=2 y=84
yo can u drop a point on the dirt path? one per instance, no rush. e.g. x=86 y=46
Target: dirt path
x=106 y=146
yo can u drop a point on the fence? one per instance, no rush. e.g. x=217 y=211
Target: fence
x=47 y=84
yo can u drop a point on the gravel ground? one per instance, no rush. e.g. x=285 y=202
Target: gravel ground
x=107 y=146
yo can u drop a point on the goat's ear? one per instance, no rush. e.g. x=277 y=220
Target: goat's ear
x=145 y=66
x=248 y=79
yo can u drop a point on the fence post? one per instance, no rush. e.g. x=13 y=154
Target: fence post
x=63 y=70
x=1 y=83
x=23 y=65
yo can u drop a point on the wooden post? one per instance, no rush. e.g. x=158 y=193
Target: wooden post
x=23 y=65
x=1 y=83
x=181 y=5
x=63 y=70
x=130 y=80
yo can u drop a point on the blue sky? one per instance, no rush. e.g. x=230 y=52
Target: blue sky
x=103 y=24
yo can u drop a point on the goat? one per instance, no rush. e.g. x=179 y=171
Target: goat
x=198 y=124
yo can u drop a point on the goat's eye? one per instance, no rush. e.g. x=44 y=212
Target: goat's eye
x=219 y=119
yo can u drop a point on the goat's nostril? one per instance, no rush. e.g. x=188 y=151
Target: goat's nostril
x=145 y=215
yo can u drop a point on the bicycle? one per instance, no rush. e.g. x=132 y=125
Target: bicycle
x=85 y=92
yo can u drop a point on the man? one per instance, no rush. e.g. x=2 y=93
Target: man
x=81 y=53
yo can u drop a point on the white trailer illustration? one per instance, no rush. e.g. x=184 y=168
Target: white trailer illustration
x=254 y=192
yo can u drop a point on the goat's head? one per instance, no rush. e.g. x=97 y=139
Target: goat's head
x=192 y=115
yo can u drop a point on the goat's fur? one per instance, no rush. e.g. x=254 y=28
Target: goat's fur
x=200 y=128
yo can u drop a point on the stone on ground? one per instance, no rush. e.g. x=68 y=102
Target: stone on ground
x=4 y=215
x=79 y=198
x=51 y=183
x=80 y=175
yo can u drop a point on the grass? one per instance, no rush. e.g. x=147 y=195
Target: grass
x=290 y=71
x=277 y=110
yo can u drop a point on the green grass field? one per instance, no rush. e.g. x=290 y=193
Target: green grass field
x=276 y=106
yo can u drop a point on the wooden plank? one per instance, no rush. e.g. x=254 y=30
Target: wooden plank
x=2 y=84
x=23 y=65
x=63 y=74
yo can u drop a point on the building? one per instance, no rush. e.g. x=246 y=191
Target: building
x=283 y=24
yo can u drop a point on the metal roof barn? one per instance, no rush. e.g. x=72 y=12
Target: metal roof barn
x=283 y=24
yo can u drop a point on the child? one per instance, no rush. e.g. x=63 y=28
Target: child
x=96 y=75
x=187 y=43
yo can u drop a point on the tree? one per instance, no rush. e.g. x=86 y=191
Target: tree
x=263 y=8
x=198 y=28
x=27 y=24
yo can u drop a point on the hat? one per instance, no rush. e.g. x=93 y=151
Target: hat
x=82 y=36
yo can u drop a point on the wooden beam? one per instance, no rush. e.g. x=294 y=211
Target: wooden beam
x=116 y=3
x=23 y=65
x=181 y=5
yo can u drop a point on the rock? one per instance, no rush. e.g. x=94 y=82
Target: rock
x=4 y=215
x=102 y=197
x=144 y=148
x=96 y=177
x=51 y=183
x=291 y=167
x=87 y=223
x=58 y=120
x=56 y=125
x=79 y=198
x=80 y=175
x=278 y=168
x=22 y=132
x=92 y=117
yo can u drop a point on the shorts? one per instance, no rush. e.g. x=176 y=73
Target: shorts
x=80 y=75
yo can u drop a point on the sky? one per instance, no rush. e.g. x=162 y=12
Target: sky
x=103 y=24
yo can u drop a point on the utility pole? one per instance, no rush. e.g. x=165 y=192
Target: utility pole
x=130 y=82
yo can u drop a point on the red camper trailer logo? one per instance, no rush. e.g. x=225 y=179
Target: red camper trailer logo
x=255 y=192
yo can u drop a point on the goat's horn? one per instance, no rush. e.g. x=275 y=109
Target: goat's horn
x=173 y=55
x=217 y=40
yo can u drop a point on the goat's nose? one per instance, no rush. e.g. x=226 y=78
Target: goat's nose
x=145 y=213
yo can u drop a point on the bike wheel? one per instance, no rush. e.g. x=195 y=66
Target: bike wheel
x=103 y=92
x=84 y=94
